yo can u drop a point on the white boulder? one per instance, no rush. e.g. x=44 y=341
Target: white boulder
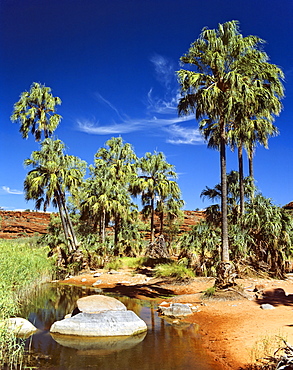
x=20 y=326
x=99 y=303
x=107 y=323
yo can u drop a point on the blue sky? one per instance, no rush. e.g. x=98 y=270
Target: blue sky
x=113 y=65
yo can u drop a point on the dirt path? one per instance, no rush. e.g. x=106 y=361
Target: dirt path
x=232 y=330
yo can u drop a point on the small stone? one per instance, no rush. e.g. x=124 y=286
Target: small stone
x=267 y=306
x=83 y=280
x=97 y=274
x=98 y=282
x=176 y=310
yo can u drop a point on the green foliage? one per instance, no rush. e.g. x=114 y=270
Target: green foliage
x=22 y=266
x=158 y=192
x=209 y=292
x=270 y=229
x=173 y=270
x=232 y=88
x=260 y=240
x=35 y=111
x=201 y=248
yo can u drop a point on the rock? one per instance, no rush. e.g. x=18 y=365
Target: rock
x=97 y=282
x=98 y=346
x=97 y=274
x=21 y=327
x=99 y=303
x=267 y=306
x=110 y=323
x=176 y=310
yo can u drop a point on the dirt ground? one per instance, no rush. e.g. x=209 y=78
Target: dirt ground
x=234 y=327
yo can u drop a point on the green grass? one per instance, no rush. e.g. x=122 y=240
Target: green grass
x=22 y=267
x=127 y=262
x=173 y=270
x=209 y=292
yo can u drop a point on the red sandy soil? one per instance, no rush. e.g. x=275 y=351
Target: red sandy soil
x=231 y=328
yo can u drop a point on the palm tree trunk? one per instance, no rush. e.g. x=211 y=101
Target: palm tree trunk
x=68 y=220
x=152 y=218
x=241 y=176
x=161 y=222
x=250 y=166
x=225 y=244
x=102 y=226
x=116 y=230
x=64 y=226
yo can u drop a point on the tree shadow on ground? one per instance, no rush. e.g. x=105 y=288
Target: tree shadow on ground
x=275 y=297
x=133 y=291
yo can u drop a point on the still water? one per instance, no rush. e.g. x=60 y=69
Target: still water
x=163 y=347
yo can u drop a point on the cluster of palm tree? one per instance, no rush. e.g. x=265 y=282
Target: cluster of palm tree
x=259 y=241
x=106 y=198
x=235 y=92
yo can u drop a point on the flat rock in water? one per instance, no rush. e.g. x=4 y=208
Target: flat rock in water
x=176 y=310
x=99 y=303
x=110 y=323
x=21 y=327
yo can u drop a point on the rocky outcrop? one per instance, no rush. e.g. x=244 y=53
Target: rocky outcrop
x=22 y=224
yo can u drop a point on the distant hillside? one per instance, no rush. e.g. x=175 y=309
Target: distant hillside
x=16 y=224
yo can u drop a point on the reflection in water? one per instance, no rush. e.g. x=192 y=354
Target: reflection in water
x=98 y=346
x=163 y=347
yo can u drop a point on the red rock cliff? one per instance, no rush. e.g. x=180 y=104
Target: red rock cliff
x=14 y=224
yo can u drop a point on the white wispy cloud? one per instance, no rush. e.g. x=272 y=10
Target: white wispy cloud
x=164 y=69
x=161 y=112
x=167 y=105
x=129 y=125
x=109 y=104
x=11 y=191
x=183 y=135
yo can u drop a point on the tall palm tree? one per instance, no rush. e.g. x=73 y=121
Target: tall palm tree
x=153 y=183
x=225 y=63
x=54 y=173
x=35 y=111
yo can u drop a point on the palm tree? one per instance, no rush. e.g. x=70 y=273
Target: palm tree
x=225 y=63
x=108 y=198
x=233 y=194
x=270 y=227
x=154 y=184
x=53 y=173
x=35 y=111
